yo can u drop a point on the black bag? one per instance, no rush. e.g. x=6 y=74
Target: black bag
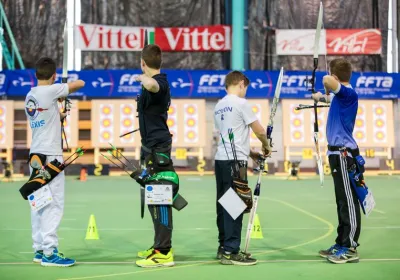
x=39 y=178
x=241 y=187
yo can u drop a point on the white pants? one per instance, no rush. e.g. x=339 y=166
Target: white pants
x=45 y=222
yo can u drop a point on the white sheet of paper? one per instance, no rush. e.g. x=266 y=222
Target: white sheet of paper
x=369 y=203
x=40 y=198
x=232 y=203
x=158 y=194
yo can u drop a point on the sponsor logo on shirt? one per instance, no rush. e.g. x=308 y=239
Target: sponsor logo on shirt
x=33 y=108
x=38 y=124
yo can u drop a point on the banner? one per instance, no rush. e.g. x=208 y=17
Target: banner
x=202 y=83
x=298 y=42
x=353 y=41
x=332 y=41
x=203 y=38
x=92 y=37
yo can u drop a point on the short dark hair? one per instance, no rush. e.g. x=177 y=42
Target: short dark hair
x=341 y=68
x=151 y=54
x=45 y=68
x=234 y=78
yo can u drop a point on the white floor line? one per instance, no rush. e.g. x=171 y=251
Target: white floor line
x=193 y=179
x=209 y=261
x=205 y=229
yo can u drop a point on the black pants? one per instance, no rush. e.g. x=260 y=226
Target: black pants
x=348 y=208
x=229 y=230
x=160 y=214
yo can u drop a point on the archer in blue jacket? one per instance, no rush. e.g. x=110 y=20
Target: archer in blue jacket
x=342 y=149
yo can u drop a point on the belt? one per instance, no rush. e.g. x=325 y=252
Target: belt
x=353 y=152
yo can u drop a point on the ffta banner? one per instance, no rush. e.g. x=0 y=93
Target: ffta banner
x=202 y=83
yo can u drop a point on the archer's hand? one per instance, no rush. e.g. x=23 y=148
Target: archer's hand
x=256 y=156
x=317 y=96
x=63 y=116
x=138 y=78
x=267 y=150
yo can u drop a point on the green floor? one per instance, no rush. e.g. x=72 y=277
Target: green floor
x=297 y=219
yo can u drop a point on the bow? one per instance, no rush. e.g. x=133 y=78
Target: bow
x=275 y=102
x=142 y=191
x=64 y=79
x=261 y=160
x=312 y=81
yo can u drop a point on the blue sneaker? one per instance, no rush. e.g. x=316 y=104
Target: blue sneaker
x=345 y=255
x=329 y=252
x=57 y=259
x=38 y=256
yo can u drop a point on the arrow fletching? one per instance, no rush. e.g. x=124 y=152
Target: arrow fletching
x=113 y=147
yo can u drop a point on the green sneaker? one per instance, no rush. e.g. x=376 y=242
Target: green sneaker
x=156 y=259
x=144 y=254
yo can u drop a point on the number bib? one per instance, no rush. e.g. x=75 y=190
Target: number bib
x=158 y=194
x=40 y=198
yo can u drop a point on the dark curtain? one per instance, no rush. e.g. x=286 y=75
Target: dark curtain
x=37 y=26
x=154 y=13
x=302 y=14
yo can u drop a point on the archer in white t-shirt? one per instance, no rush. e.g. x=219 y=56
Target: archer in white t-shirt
x=44 y=119
x=233 y=113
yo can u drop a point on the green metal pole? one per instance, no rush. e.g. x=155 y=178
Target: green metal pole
x=238 y=16
x=13 y=44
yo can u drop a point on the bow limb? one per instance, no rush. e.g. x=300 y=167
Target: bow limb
x=316 y=131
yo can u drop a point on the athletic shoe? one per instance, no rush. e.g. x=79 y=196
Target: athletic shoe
x=144 y=254
x=156 y=259
x=38 y=256
x=220 y=252
x=329 y=252
x=56 y=259
x=248 y=255
x=237 y=259
x=344 y=255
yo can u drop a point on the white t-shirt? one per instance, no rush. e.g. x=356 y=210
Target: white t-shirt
x=233 y=112
x=43 y=116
